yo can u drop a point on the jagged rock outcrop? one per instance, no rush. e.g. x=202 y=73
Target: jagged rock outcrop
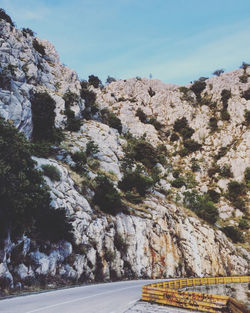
x=157 y=237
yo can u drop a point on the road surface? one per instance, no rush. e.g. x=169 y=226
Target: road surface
x=101 y=298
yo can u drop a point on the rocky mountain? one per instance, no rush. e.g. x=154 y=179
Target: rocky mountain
x=153 y=177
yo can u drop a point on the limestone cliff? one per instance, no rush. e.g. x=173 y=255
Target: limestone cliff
x=159 y=235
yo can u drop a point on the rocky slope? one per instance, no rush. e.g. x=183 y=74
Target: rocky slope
x=156 y=236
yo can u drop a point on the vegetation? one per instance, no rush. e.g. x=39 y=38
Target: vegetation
x=213 y=195
x=94 y=81
x=73 y=124
x=213 y=124
x=247 y=176
x=52 y=172
x=24 y=197
x=111 y=119
x=110 y=80
x=80 y=158
x=198 y=86
x=38 y=47
x=235 y=189
x=202 y=206
x=144 y=119
x=120 y=243
x=91 y=148
x=136 y=181
x=106 y=196
x=43 y=118
x=247 y=117
x=233 y=233
x=89 y=98
x=6 y=17
x=174 y=137
x=28 y=31
x=246 y=94
x=218 y=72
x=243 y=224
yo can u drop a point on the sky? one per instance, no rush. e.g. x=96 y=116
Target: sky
x=177 y=41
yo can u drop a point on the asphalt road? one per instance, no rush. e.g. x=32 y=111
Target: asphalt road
x=101 y=298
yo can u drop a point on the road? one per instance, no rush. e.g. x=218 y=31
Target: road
x=101 y=298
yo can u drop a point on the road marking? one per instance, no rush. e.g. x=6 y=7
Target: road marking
x=80 y=299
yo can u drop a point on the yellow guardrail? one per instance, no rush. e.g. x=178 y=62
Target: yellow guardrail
x=171 y=293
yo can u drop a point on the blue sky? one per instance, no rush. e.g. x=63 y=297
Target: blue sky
x=176 y=40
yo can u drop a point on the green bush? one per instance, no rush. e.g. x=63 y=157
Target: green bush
x=198 y=86
x=225 y=116
x=191 y=145
x=6 y=17
x=94 y=81
x=246 y=94
x=247 y=117
x=247 y=175
x=180 y=123
x=110 y=80
x=43 y=118
x=91 y=148
x=106 y=196
x=213 y=195
x=136 y=180
x=120 y=243
x=70 y=98
x=218 y=72
x=195 y=167
x=52 y=172
x=38 y=47
x=24 y=197
x=202 y=206
x=243 y=78
x=213 y=124
x=26 y=31
x=157 y=125
x=235 y=189
x=142 y=116
x=225 y=96
x=178 y=182
x=187 y=132
x=233 y=233
x=225 y=171
x=80 y=158
x=221 y=153
x=243 y=224
x=111 y=119
x=174 y=137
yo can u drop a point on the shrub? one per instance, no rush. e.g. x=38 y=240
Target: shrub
x=235 y=189
x=213 y=124
x=247 y=175
x=180 y=123
x=202 y=206
x=178 y=182
x=120 y=243
x=218 y=72
x=24 y=197
x=136 y=180
x=80 y=159
x=225 y=171
x=151 y=92
x=244 y=66
x=247 y=117
x=6 y=17
x=213 y=195
x=5 y=79
x=187 y=132
x=133 y=198
x=110 y=80
x=198 y=86
x=195 y=167
x=246 y=94
x=243 y=78
x=28 y=31
x=225 y=96
x=222 y=152
x=109 y=255
x=191 y=145
x=225 y=116
x=43 y=118
x=91 y=148
x=233 y=233
x=106 y=196
x=142 y=116
x=174 y=137
x=52 y=172
x=94 y=81
x=243 y=224
x=111 y=119
x=38 y=47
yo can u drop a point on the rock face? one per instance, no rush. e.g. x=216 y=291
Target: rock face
x=157 y=237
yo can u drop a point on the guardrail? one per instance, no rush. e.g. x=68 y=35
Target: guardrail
x=172 y=293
